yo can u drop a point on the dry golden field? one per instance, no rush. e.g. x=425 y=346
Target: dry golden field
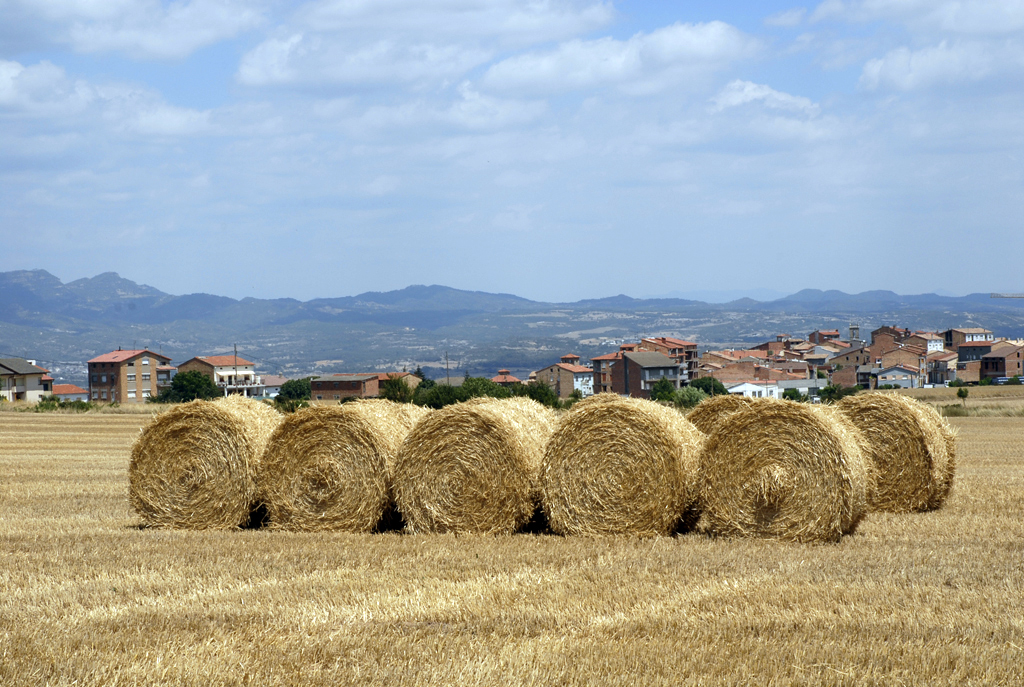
x=89 y=599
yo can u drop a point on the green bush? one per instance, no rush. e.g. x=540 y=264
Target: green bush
x=1015 y=380
x=985 y=381
x=794 y=395
x=51 y=403
x=663 y=390
x=188 y=386
x=710 y=386
x=834 y=392
x=689 y=397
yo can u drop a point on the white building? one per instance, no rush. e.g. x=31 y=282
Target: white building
x=23 y=380
x=233 y=374
x=755 y=389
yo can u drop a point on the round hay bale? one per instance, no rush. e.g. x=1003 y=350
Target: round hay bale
x=784 y=470
x=328 y=467
x=710 y=412
x=473 y=467
x=195 y=466
x=911 y=447
x=620 y=466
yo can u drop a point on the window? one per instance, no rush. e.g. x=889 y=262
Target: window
x=145 y=394
x=145 y=376
x=131 y=363
x=95 y=394
x=145 y=361
x=319 y=397
x=103 y=394
x=103 y=379
x=95 y=378
x=131 y=394
x=337 y=396
x=131 y=376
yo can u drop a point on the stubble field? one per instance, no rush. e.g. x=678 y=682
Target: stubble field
x=88 y=598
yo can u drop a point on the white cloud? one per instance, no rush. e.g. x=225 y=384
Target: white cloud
x=314 y=59
x=44 y=93
x=510 y=22
x=905 y=69
x=787 y=19
x=579 y=64
x=140 y=28
x=997 y=17
x=742 y=92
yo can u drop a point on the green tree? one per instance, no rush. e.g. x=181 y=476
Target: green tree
x=793 y=395
x=296 y=390
x=440 y=395
x=188 y=386
x=962 y=393
x=834 y=392
x=710 y=386
x=663 y=390
x=475 y=387
x=395 y=389
x=821 y=374
x=985 y=381
x=418 y=372
x=539 y=392
x=689 y=397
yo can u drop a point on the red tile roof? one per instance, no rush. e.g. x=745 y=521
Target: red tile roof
x=969 y=344
x=67 y=390
x=121 y=356
x=505 y=379
x=609 y=356
x=223 y=360
x=574 y=368
x=670 y=341
x=47 y=378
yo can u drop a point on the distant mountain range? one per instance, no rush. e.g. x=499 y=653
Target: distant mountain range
x=62 y=325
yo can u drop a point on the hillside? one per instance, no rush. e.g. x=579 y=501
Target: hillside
x=62 y=325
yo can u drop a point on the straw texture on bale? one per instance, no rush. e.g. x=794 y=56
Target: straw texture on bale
x=328 y=467
x=195 y=466
x=473 y=467
x=912 y=448
x=784 y=470
x=710 y=412
x=620 y=466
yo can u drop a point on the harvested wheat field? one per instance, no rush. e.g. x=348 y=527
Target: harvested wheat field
x=90 y=599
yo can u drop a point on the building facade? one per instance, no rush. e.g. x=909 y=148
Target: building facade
x=23 y=380
x=638 y=372
x=232 y=374
x=125 y=376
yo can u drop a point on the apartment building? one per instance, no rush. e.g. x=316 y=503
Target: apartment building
x=126 y=376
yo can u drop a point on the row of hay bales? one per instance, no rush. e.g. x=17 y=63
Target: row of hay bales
x=610 y=465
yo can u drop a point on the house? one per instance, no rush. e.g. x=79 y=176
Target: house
x=505 y=378
x=23 y=380
x=821 y=336
x=905 y=377
x=908 y=356
x=929 y=341
x=330 y=389
x=1004 y=360
x=973 y=350
x=808 y=387
x=602 y=367
x=968 y=371
x=683 y=352
x=754 y=389
x=748 y=369
x=858 y=356
x=954 y=338
x=941 y=367
x=887 y=333
x=232 y=373
x=70 y=392
x=333 y=388
x=272 y=385
x=637 y=373
x=567 y=376
x=125 y=376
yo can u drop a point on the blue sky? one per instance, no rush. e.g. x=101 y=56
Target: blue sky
x=556 y=149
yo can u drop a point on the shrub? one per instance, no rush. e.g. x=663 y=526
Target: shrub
x=985 y=381
x=710 y=386
x=689 y=397
x=793 y=395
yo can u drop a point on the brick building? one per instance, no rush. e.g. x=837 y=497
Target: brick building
x=126 y=376
x=638 y=371
x=683 y=352
x=567 y=376
x=1004 y=360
